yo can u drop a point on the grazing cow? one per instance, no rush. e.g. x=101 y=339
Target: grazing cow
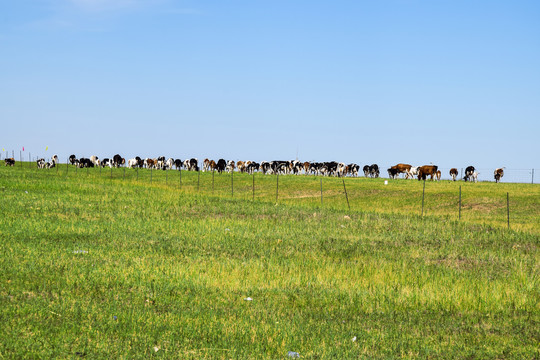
x=178 y=164
x=469 y=170
x=413 y=171
x=118 y=160
x=132 y=163
x=73 y=160
x=306 y=166
x=213 y=165
x=453 y=173
x=353 y=169
x=393 y=173
x=365 y=169
x=230 y=166
x=438 y=175
x=54 y=159
x=206 y=165
x=498 y=174
x=95 y=160
x=253 y=166
x=241 y=166
x=9 y=161
x=474 y=176
x=41 y=163
x=341 y=170
x=374 y=171
x=402 y=168
x=426 y=170
x=85 y=163
x=221 y=165
x=108 y=162
x=191 y=164
x=169 y=163
x=149 y=163
x=296 y=167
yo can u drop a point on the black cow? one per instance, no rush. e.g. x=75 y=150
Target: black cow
x=374 y=170
x=221 y=165
x=469 y=171
x=393 y=173
x=73 y=160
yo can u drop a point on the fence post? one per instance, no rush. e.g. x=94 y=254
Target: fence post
x=67 y=166
x=124 y=177
x=111 y=172
x=166 y=176
x=253 y=186
x=232 y=183
x=198 y=179
x=459 y=202
x=137 y=172
x=423 y=193
x=461 y=174
x=277 y=187
x=180 y=178
x=321 y=193
x=20 y=157
x=508 y=209
x=532 y=177
x=29 y=161
x=346 y=196
x=100 y=169
x=212 y=180
x=150 y=175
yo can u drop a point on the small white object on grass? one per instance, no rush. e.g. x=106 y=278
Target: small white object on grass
x=156 y=349
x=354 y=339
x=248 y=299
x=385 y=182
x=293 y=354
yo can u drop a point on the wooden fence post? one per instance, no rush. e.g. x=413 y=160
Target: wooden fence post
x=346 y=196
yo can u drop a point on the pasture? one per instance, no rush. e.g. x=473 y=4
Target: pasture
x=137 y=264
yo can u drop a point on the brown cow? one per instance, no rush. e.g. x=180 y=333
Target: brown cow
x=306 y=166
x=424 y=171
x=240 y=165
x=438 y=175
x=401 y=168
x=453 y=173
x=206 y=165
x=212 y=165
x=498 y=174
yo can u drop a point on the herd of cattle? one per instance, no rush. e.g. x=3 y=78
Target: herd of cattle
x=331 y=168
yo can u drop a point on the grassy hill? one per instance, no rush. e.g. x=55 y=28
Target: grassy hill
x=138 y=264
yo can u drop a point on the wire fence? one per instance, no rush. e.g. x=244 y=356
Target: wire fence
x=480 y=202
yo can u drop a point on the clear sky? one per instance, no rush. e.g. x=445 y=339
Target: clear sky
x=382 y=81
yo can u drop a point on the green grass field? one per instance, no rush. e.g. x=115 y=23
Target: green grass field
x=126 y=264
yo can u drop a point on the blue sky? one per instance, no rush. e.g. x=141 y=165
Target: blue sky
x=449 y=82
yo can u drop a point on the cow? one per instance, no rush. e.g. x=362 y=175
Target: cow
x=206 y=165
x=41 y=163
x=221 y=165
x=296 y=167
x=306 y=166
x=253 y=166
x=474 y=176
x=426 y=170
x=353 y=169
x=438 y=175
x=230 y=166
x=73 y=160
x=149 y=163
x=85 y=163
x=413 y=171
x=178 y=164
x=169 y=163
x=118 y=160
x=241 y=166
x=365 y=169
x=95 y=160
x=498 y=174
x=402 y=168
x=393 y=173
x=469 y=170
x=132 y=163
x=374 y=171
x=213 y=165
x=108 y=162
x=453 y=173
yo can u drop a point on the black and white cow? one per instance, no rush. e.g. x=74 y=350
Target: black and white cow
x=469 y=171
x=374 y=171
x=73 y=160
x=393 y=173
